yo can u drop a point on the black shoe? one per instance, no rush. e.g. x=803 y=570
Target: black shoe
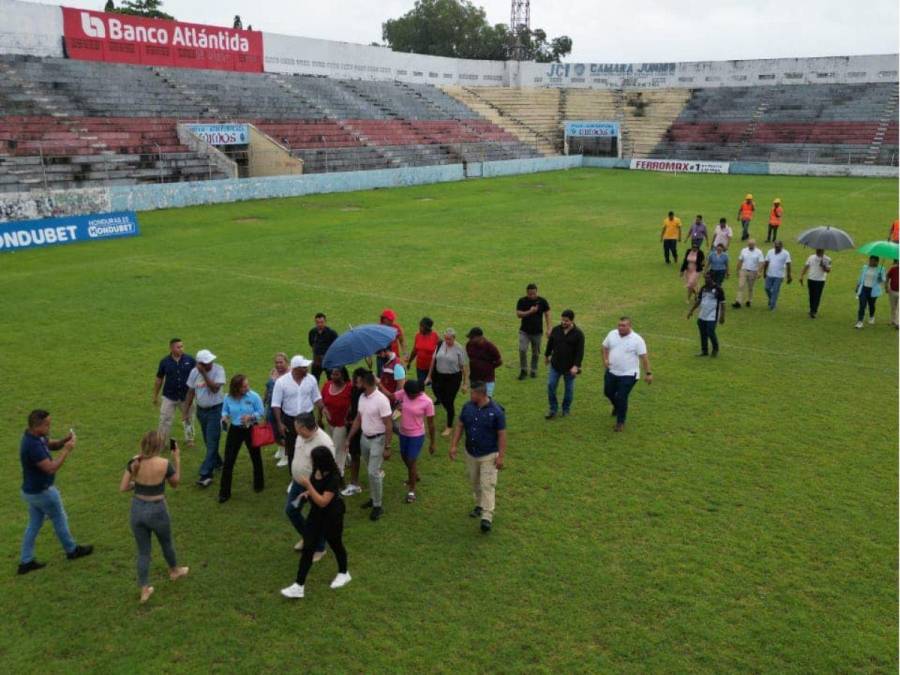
x=523 y=375
x=812 y=316
x=533 y=374
x=25 y=568
x=715 y=353
x=80 y=552
x=259 y=489
x=367 y=504
x=702 y=354
x=376 y=513
x=736 y=305
x=747 y=304
x=475 y=513
x=224 y=498
x=550 y=416
x=485 y=525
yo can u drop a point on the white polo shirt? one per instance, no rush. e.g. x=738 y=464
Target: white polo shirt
x=625 y=353
x=815 y=271
x=751 y=260
x=302 y=464
x=293 y=398
x=372 y=411
x=777 y=263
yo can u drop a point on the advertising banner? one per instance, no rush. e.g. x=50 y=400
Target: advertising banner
x=222 y=134
x=678 y=166
x=25 y=234
x=120 y=38
x=592 y=129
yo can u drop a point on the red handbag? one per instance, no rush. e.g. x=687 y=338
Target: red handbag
x=261 y=435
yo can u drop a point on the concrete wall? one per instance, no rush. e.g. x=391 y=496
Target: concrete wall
x=268 y=158
x=857 y=170
x=511 y=167
x=29 y=28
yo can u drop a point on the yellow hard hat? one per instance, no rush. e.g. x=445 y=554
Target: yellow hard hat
x=748 y=196
x=777 y=200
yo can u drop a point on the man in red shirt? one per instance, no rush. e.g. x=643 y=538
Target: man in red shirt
x=484 y=359
x=893 y=289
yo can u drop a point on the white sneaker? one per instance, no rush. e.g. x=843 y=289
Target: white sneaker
x=859 y=324
x=294 y=591
x=279 y=453
x=318 y=555
x=351 y=490
x=298 y=546
x=282 y=462
x=871 y=320
x=340 y=580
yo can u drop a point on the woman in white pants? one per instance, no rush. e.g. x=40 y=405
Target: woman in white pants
x=336 y=404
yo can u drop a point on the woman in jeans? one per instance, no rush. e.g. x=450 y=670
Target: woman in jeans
x=868 y=289
x=326 y=519
x=241 y=409
x=147 y=474
x=336 y=397
x=449 y=370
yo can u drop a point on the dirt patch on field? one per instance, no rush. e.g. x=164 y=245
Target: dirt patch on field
x=249 y=219
x=351 y=208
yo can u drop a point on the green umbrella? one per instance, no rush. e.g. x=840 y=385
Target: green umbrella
x=882 y=249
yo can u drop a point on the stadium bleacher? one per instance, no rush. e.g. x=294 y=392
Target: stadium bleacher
x=69 y=123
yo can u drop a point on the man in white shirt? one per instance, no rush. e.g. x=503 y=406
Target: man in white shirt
x=374 y=423
x=777 y=267
x=624 y=351
x=816 y=270
x=748 y=270
x=294 y=393
x=309 y=437
x=205 y=385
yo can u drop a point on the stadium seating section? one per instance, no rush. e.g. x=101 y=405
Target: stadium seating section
x=68 y=123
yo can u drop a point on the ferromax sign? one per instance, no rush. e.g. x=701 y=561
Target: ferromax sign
x=26 y=234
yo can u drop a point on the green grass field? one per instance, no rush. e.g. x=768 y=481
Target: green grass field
x=745 y=521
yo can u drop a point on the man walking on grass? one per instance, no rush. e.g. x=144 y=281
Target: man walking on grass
x=205 y=386
x=711 y=301
x=39 y=470
x=171 y=376
x=670 y=236
x=565 y=351
x=748 y=265
x=375 y=424
x=484 y=421
x=776 y=268
x=534 y=312
x=624 y=351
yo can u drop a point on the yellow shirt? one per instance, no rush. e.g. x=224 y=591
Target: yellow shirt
x=672 y=228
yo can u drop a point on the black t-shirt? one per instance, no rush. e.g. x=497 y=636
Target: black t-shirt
x=331 y=482
x=532 y=325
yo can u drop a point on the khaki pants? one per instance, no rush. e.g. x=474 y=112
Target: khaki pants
x=746 y=281
x=483 y=476
x=893 y=296
x=166 y=414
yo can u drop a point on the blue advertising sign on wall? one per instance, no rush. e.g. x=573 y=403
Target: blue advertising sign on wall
x=593 y=129
x=222 y=134
x=25 y=234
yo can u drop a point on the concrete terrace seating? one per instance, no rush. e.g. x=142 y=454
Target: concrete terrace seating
x=797 y=123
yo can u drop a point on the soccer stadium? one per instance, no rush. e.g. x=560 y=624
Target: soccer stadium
x=306 y=248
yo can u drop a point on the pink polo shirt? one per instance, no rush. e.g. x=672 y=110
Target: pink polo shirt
x=414 y=410
x=372 y=408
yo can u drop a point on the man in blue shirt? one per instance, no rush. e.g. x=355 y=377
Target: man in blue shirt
x=485 y=423
x=171 y=376
x=38 y=472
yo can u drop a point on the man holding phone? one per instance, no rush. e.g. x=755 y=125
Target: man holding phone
x=38 y=473
x=205 y=385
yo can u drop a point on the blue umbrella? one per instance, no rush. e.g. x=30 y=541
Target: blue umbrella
x=358 y=343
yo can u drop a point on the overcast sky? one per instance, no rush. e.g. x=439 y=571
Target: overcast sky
x=602 y=30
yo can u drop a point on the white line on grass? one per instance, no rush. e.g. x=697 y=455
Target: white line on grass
x=484 y=310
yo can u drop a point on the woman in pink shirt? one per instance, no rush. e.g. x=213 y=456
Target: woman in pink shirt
x=416 y=408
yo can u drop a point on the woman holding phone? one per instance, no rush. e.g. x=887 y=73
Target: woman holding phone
x=147 y=474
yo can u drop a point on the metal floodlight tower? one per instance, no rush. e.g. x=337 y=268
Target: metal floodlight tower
x=519 y=19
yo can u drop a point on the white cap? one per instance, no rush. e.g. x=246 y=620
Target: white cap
x=300 y=362
x=205 y=356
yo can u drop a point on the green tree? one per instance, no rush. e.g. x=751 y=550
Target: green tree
x=535 y=46
x=238 y=24
x=148 y=8
x=459 y=29
x=110 y=6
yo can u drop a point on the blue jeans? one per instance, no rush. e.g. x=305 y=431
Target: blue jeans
x=617 y=388
x=773 y=288
x=295 y=513
x=553 y=383
x=211 y=426
x=46 y=504
x=719 y=276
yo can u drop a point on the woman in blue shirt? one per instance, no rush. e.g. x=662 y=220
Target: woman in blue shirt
x=241 y=409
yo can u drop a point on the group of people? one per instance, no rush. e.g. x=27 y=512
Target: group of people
x=704 y=274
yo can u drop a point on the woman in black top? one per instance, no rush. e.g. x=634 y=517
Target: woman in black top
x=326 y=519
x=147 y=474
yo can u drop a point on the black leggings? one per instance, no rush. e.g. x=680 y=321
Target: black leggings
x=331 y=527
x=445 y=387
x=238 y=436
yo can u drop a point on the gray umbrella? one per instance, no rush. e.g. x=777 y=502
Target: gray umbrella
x=826 y=237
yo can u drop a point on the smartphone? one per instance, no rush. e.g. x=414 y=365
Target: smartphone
x=172 y=444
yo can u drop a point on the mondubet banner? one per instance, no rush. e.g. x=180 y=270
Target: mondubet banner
x=121 y=38
x=592 y=129
x=25 y=234
x=678 y=166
